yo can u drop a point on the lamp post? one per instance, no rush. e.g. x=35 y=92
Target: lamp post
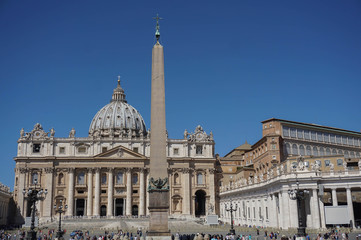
x=299 y=195
x=231 y=209
x=33 y=195
x=60 y=209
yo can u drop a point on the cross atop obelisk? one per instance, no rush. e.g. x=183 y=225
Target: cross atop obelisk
x=157 y=33
x=158 y=186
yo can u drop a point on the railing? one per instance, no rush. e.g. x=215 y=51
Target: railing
x=243 y=183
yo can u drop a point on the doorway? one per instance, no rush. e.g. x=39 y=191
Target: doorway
x=200 y=203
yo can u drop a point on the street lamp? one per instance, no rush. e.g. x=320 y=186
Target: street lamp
x=299 y=195
x=231 y=209
x=60 y=209
x=33 y=195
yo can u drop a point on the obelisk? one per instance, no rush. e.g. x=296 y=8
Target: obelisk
x=158 y=188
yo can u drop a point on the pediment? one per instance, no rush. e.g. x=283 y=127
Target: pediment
x=120 y=152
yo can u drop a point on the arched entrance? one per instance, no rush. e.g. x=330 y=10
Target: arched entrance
x=200 y=203
x=135 y=210
x=80 y=205
x=103 y=210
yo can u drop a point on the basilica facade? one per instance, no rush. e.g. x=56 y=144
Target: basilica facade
x=106 y=173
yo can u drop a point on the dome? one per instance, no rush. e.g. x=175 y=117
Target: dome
x=118 y=119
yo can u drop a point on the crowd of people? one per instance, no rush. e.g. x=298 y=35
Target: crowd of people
x=138 y=235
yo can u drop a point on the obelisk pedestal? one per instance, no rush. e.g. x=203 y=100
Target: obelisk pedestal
x=158 y=186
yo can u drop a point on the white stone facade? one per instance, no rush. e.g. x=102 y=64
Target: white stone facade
x=106 y=173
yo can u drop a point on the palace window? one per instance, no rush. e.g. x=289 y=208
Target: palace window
x=315 y=151
x=35 y=178
x=104 y=149
x=82 y=149
x=135 y=149
x=81 y=178
x=307 y=134
x=313 y=136
x=36 y=147
x=319 y=137
x=135 y=178
x=199 y=149
x=60 y=179
x=62 y=150
x=119 y=178
x=199 y=178
x=176 y=151
x=286 y=131
x=104 y=179
x=339 y=162
x=293 y=132
x=327 y=163
x=308 y=151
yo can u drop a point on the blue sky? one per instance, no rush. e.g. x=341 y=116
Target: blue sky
x=228 y=65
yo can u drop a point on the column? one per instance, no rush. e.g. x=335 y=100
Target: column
x=334 y=197
x=147 y=195
x=97 y=193
x=186 y=209
x=350 y=207
x=284 y=202
x=293 y=212
x=21 y=186
x=90 y=193
x=142 y=192
x=212 y=187
x=322 y=213
x=110 y=192
x=70 y=210
x=274 y=212
x=48 y=202
x=128 y=211
x=315 y=213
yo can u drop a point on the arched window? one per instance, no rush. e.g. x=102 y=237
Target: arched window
x=35 y=178
x=302 y=150
x=288 y=149
x=347 y=155
x=199 y=178
x=119 y=179
x=308 y=151
x=81 y=178
x=340 y=152
x=334 y=152
x=60 y=178
x=328 y=151
x=176 y=178
x=294 y=149
x=322 y=151
x=357 y=154
x=135 y=178
x=315 y=151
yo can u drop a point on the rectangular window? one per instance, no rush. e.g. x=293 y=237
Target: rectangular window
x=313 y=136
x=81 y=149
x=175 y=151
x=80 y=191
x=326 y=137
x=135 y=191
x=104 y=191
x=332 y=138
x=135 y=149
x=344 y=140
x=339 y=162
x=299 y=133
x=273 y=146
x=199 y=150
x=319 y=137
x=338 y=139
x=307 y=134
x=293 y=132
x=327 y=163
x=104 y=149
x=319 y=162
x=36 y=148
x=266 y=212
x=62 y=150
x=285 y=131
x=307 y=164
